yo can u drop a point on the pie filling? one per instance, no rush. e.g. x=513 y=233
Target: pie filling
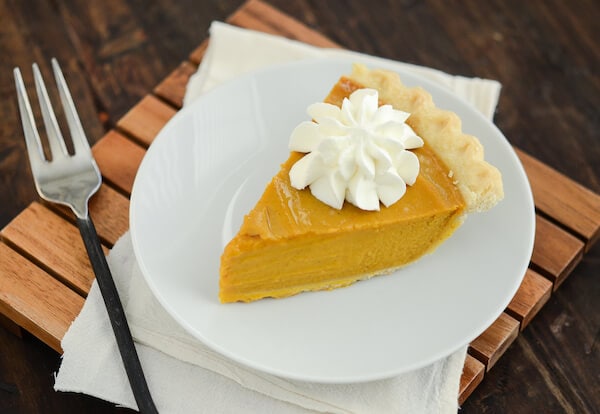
x=306 y=263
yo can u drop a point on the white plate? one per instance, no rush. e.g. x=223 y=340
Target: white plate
x=208 y=167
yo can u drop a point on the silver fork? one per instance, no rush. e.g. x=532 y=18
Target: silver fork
x=71 y=180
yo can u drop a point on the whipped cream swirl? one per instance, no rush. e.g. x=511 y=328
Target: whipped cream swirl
x=358 y=152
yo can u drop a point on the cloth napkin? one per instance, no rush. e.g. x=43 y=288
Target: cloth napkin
x=185 y=376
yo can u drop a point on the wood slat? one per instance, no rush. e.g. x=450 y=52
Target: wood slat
x=472 y=375
x=257 y=15
x=172 y=88
x=491 y=345
x=555 y=252
x=35 y=300
x=54 y=243
x=563 y=199
x=534 y=292
x=118 y=159
x=146 y=119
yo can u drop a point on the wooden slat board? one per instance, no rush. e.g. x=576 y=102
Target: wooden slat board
x=45 y=276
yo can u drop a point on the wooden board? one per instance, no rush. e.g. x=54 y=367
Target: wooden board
x=44 y=275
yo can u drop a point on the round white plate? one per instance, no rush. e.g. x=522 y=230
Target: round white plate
x=208 y=167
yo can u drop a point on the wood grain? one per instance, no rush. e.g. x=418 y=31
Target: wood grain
x=471 y=377
x=172 y=88
x=555 y=252
x=28 y=295
x=118 y=159
x=491 y=344
x=146 y=119
x=262 y=17
x=534 y=292
x=54 y=243
x=561 y=198
x=115 y=52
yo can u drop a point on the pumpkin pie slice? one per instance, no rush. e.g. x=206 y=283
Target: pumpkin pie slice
x=293 y=242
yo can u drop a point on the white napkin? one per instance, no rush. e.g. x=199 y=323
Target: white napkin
x=184 y=375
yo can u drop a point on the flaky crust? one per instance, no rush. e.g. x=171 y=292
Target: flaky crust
x=479 y=182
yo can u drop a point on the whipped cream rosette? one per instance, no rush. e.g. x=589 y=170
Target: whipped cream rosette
x=358 y=153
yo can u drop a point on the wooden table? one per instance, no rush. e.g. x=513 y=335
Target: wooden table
x=127 y=61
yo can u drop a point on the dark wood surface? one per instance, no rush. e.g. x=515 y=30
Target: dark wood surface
x=545 y=54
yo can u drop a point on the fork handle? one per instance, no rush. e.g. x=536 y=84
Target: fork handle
x=116 y=315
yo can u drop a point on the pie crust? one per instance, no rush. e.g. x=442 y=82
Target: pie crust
x=479 y=182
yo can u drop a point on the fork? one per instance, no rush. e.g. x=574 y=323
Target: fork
x=71 y=180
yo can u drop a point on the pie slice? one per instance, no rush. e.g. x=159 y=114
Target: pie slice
x=292 y=242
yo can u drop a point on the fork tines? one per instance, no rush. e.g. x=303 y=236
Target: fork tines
x=55 y=138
